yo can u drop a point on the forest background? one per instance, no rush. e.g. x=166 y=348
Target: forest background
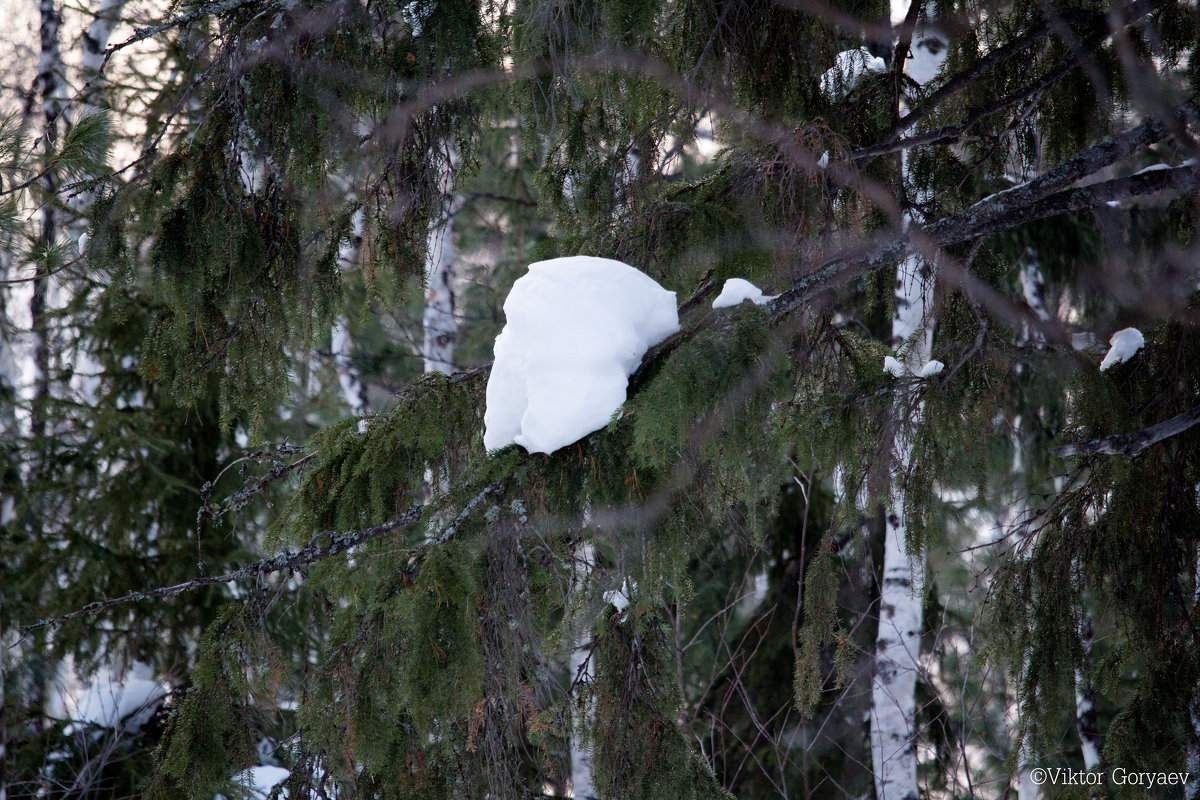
x=909 y=529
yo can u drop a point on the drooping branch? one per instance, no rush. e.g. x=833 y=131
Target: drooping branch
x=1037 y=199
x=324 y=545
x=1130 y=444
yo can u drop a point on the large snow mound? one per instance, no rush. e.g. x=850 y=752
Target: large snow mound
x=1124 y=346
x=576 y=329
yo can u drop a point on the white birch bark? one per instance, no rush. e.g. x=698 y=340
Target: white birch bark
x=1033 y=287
x=583 y=669
x=354 y=391
x=439 y=325
x=898 y=641
x=1085 y=702
x=50 y=88
x=88 y=101
x=1033 y=290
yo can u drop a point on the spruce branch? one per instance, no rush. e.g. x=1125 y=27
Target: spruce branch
x=324 y=545
x=1130 y=444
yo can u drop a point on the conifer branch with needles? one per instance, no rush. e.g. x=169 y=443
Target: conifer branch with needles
x=323 y=546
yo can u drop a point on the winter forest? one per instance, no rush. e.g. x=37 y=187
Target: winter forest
x=628 y=399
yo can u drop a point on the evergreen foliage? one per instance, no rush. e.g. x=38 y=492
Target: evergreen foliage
x=713 y=553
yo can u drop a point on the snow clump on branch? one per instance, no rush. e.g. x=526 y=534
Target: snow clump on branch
x=848 y=69
x=736 y=291
x=1125 y=344
x=576 y=329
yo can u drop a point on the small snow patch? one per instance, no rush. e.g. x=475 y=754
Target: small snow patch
x=1124 y=345
x=898 y=369
x=1083 y=340
x=736 y=291
x=928 y=52
x=619 y=598
x=823 y=161
x=847 y=70
x=576 y=329
x=109 y=702
x=1152 y=168
x=257 y=783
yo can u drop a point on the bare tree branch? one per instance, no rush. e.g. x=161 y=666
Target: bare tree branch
x=894 y=140
x=999 y=212
x=1130 y=444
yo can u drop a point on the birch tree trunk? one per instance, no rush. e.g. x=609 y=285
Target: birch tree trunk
x=898 y=641
x=582 y=671
x=1085 y=702
x=89 y=99
x=84 y=367
x=49 y=85
x=901 y=593
x=439 y=326
x=354 y=391
x=1033 y=290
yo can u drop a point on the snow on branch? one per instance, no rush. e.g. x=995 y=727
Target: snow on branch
x=1130 y=444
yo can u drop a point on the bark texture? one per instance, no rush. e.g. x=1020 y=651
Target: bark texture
x=439 y=324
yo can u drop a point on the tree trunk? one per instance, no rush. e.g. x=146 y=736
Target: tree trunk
x=49 y=84
x=438 y=322
x=89 y=100
x=898 y=641
x=583 y=669
x=901 y=593
x=354 y=392
x=84 y=368
x=1085 y=702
